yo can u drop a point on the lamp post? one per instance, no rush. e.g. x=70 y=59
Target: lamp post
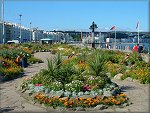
x=37 y=34
x=20 y=27
x=93 y=27
x=30 y=32
x=3 y=32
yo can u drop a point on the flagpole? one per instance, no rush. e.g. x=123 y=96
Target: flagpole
x=115 y=38
x=100 y=41
x=81 y=36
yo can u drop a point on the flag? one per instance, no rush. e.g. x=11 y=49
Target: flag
x=137 y=25
x=113 y=28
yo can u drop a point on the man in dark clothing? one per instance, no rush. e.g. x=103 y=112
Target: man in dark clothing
x=140 y=49
x=24 y=61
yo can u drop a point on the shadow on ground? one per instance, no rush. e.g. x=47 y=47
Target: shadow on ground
x=127 y=87
x=6 y=109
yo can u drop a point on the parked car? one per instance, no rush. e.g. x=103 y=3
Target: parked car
x=12 y=42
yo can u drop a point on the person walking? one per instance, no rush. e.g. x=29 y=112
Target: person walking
x=18 y=60
x=135 y=48
x=24 y=61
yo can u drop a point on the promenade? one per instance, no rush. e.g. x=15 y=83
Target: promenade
x=12 y=101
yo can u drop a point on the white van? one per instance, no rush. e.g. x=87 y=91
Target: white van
x=13 y=42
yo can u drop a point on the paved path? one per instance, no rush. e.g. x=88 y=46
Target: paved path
x=11 y=101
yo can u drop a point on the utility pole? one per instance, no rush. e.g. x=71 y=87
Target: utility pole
x=20 y=27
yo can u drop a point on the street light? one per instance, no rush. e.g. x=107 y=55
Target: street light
x=93 y=27
x=3 y=22
x=30 y=32
x=20 y=27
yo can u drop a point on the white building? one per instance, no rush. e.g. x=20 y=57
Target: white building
x=12 y=32
x=58 y=36
x=15 y=33
x=37 y=34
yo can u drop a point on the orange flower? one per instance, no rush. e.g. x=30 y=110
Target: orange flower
x=60 y=99
x=81 y=99
x=113 y=100
x=98 y=97
x=123 y=95
x=117 y=103
x=89 y=104
x=89 y=99
x=66 y=104
x=71 y=102
x=106 y=100
x=122 y=99
x=66 y=99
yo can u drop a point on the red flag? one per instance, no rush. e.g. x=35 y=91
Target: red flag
x=113 y=28
x=137 y=25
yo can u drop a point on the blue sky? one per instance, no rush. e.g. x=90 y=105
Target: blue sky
x=78 y=15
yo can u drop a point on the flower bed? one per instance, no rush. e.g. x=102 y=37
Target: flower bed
x=9 y=67
x=142 y=74
x=74 y=82
x=119 y=99
x=9 y=70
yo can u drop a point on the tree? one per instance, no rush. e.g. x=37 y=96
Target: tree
x=76 y=37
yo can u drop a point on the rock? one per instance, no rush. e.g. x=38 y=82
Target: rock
x=129 y=79
x=60 y=109
x=100 y=107
x=108 y=74
x=56 y=95
x=43 y=106
x=49 y=109
x=136 y=81
x=80 y=109
x=29 y=92
x=118 y=76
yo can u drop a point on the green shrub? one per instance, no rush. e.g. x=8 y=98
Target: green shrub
x=33 y=60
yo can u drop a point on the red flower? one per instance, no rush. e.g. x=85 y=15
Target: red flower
x=86 y=88
x=38 y=84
